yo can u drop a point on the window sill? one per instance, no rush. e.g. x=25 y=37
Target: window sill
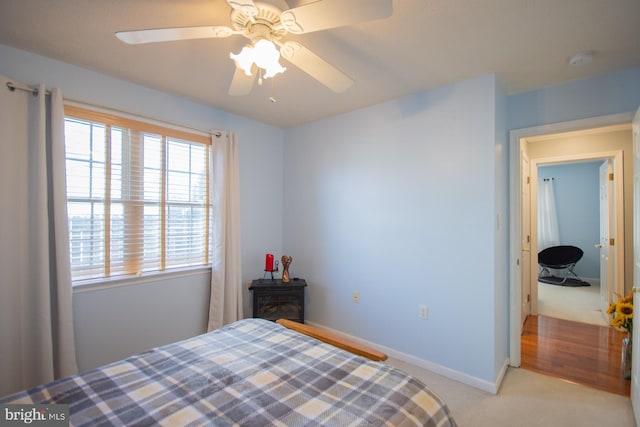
x=131 y=280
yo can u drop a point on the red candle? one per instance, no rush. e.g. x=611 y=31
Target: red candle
x=268 y=265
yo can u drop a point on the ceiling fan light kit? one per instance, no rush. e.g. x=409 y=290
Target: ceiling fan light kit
x=266 y=25
x=264 y=54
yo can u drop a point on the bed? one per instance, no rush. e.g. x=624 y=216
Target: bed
x=250 y=373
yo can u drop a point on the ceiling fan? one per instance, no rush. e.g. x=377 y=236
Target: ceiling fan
x=266 y=26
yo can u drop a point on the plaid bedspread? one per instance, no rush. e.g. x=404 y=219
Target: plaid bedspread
x=250 y=373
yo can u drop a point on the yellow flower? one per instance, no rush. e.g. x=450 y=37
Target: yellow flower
x=625 y=310
x=621 y=313
x=617 y=322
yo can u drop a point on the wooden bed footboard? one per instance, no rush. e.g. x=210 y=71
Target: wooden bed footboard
x=334 y=339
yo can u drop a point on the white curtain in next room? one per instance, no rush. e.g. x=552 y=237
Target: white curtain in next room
x=548 y=234
x=36 y=325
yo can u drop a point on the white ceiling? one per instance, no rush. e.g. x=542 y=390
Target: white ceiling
x=425 y=44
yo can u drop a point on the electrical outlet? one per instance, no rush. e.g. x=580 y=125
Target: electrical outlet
x=424 y=312
x=356 y=297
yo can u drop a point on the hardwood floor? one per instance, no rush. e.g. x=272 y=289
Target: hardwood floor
x=577 y=352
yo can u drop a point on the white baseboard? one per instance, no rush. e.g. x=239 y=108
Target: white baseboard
x=490 y=387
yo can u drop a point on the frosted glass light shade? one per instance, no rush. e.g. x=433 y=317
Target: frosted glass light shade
x=264 y=54
x=244 y=59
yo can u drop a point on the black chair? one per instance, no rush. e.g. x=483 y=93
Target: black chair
x=563 y=257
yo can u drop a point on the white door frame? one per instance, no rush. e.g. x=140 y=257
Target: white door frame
x=525 y=239
x=515 y=227
x=607 y=223
x=635 y=365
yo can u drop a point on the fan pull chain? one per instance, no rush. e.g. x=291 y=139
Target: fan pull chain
x=273 y=84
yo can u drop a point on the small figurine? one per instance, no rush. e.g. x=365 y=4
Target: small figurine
x=286 y=262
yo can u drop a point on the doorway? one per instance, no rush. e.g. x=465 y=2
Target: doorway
x=573 y=209
x=615 y=245
x=519 y=140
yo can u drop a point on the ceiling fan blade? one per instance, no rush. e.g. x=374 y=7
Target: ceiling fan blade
x=315 y=66
x=246 y=7
x=241 y=83
x=170 y=34
x=325 y=14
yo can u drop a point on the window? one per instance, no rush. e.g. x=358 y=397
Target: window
x=137 y=196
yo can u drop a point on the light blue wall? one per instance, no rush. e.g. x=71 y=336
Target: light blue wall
x=404 y=202
x=501 y=233
x=118 y=321
x=577 y=199
x=398 y=202
x=609 y=94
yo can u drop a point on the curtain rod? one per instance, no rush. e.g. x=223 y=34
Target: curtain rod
x=16 y=86
x=34 y=91
x=216 y=132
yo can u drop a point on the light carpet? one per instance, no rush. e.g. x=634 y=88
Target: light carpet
x=580 y=304
x=527 y=399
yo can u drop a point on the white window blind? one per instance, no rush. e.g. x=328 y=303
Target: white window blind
x=137 y=194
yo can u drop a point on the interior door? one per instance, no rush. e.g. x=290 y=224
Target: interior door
x=606 y=272
x=525 y=238
x=635 y=364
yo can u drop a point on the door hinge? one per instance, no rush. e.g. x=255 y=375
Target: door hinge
x=528 y=179
x=528 y=297
x=612 y=242
x=528 y=239
x=611 y=176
